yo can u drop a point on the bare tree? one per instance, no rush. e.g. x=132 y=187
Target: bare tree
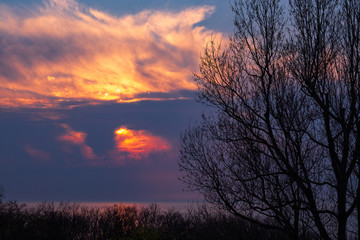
x=283 y=147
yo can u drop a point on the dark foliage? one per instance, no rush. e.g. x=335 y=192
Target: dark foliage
x=67 y=221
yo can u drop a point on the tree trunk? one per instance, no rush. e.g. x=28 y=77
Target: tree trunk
x=342 y=218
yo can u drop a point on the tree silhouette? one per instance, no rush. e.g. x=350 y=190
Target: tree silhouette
x=282 y=149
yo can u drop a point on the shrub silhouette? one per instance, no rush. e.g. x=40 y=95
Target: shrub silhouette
x=69 y=221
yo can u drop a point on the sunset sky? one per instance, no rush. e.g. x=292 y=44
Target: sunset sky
x=95 y=94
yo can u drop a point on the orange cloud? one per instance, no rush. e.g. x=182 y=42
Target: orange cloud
x=64 y=52
x=138 y=143
x=77 y=138
x=37 y=154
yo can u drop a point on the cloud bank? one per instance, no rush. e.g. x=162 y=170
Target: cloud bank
x=64 y=52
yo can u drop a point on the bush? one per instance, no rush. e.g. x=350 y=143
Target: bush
x=67 y=221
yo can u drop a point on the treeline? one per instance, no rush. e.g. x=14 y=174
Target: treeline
x=69 y=221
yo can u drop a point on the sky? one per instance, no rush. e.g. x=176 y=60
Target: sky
x=95 y=94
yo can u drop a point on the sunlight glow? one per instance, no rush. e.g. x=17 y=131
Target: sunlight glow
x=64 y=51
x=139 y=143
